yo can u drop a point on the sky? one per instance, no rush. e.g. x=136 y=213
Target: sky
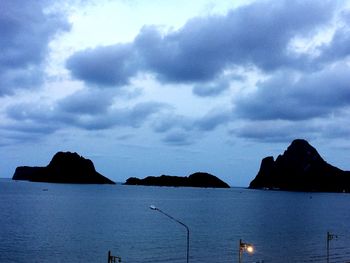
x=173 y=87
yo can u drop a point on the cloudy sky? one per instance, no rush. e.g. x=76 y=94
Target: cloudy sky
x=173 y=86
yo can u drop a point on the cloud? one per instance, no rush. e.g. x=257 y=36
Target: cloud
x=277 y=131
x=26 y=28
x=207 y=45
x=213 y=119
x=133 y=116
x=40 y=119
x=338 y=48
x=87 y=101
x=207 y=122
x=30 y=111
x=29 y=129
x=178 y=138
x=183 y=130
x=211 y=89
x=28 y=122
x=169 y=121
x=106 y=65
x=204 y=47
x=337 y=127
x=329 y=129
x=204 y=52
x=291 y=97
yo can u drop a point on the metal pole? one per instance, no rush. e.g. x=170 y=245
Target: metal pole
x=240 y=251
x=328 y=238
x=187 y=229
x=188 y=244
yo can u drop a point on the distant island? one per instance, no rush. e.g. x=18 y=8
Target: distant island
x=300 y=168
x=65 y=167
x=198 y=179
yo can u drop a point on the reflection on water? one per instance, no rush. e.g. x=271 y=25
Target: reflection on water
x=80 y=223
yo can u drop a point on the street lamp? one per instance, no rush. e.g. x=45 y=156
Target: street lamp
x=244 y=247
x=172 y=218
x=329 y=238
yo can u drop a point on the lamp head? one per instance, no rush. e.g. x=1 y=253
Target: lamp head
x=153 y=207
x=250 y=249
x=246 y=247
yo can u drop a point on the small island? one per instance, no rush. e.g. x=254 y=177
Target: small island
x=300 y=168
x=198 y=179
x=65 y=167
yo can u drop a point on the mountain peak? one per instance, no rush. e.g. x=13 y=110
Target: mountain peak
x=300 y=146
x=300 y=154
x=300 y=168
x=64 y=167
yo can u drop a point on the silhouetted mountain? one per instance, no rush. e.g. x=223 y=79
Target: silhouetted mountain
x=300 y=168
x=65 y=167
x=194 y=180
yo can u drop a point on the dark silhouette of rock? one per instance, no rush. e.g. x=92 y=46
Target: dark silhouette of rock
x=194 y=180
x=65 y=167
x=206 y=180
x=300 y=168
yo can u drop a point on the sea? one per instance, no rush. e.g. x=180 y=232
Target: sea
x=41 y=222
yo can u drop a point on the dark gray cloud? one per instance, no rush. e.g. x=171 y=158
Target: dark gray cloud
x=26 y=29
x=291 y=97
x=107 y=65
x=205 y=46
x=257 y=34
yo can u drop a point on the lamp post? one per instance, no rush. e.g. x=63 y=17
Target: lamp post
x=329 y=238
x=113 y=259
x=174 y=219
x=244 y=247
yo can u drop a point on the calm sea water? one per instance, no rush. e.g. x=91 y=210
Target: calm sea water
x=79 y=223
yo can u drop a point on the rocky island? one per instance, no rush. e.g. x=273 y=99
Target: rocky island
x=198 y=179
x=65 y=167
x=300 y=168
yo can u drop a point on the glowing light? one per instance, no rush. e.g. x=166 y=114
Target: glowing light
x=244 y=247
x=250 y=249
